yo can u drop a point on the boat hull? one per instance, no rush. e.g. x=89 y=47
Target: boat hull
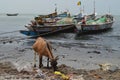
x=28 y=33
x=12 y=14
x=43 y=31
x=94 y=28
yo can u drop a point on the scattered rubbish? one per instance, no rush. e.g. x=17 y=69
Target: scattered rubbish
x=40 y=74
x=80 y=77
x=20 y=67
x=97 y=76
x=9 y=72
x=104 y=66
x=63 y=76
x=108 y=67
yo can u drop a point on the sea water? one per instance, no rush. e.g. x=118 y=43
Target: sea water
x=10 y=26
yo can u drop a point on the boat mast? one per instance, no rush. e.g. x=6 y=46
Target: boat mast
x=109 y=10
x=83 y=10
x=94 y=7
x=55 y=8
x=79 y=4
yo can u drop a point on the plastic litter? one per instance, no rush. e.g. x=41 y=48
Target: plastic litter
x=40 y=74
x=108 y=67
x=64 y=77
x=80 y=77
x=23 y=67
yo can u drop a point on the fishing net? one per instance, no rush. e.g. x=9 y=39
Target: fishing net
x=65 y=21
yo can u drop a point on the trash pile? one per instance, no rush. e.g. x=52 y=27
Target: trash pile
x=108 y=67
x=18 y=70
x=9 y=71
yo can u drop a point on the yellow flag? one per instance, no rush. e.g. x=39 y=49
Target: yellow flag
x=79 y=3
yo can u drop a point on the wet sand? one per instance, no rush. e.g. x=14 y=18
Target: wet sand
x=82 y=59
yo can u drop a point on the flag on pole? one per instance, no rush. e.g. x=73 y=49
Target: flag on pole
x=79 y=3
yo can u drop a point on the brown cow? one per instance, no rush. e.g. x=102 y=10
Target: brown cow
x=43 y=48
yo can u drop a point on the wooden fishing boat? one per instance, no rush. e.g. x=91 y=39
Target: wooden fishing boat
x=48 y=30
x=95 y=28
x=15 y=14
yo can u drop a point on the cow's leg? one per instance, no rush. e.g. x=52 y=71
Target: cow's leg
x=40 y=62
x=48 y=63
x=34 y=59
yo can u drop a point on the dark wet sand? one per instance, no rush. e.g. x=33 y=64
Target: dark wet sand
x=78 y=60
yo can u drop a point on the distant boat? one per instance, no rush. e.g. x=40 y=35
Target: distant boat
x=15 y=14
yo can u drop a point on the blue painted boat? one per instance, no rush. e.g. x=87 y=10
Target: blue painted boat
x=28 y=33
x=48 y=30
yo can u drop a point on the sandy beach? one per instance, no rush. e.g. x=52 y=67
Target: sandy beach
x=83 y=59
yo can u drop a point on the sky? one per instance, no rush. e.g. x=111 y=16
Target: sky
x=48 y=6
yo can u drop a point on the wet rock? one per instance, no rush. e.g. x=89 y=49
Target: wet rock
x=97 y=52
x=1 y=55
x=91 y=57
x=22 y=50
x=4 y=42
x=10 y=41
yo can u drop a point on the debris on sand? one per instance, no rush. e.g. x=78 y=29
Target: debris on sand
x=9 y=72
x=108 y=67
x=23 y=67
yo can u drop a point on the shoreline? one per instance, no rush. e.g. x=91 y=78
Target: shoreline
x=83 y=57
x=9 y=72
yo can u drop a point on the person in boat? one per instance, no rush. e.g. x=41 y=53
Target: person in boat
x=39 y=21
x=83 y=20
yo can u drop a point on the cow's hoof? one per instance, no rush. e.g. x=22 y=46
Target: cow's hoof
x=34 y=65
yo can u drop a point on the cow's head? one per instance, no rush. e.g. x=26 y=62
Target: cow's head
x=54 y=63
